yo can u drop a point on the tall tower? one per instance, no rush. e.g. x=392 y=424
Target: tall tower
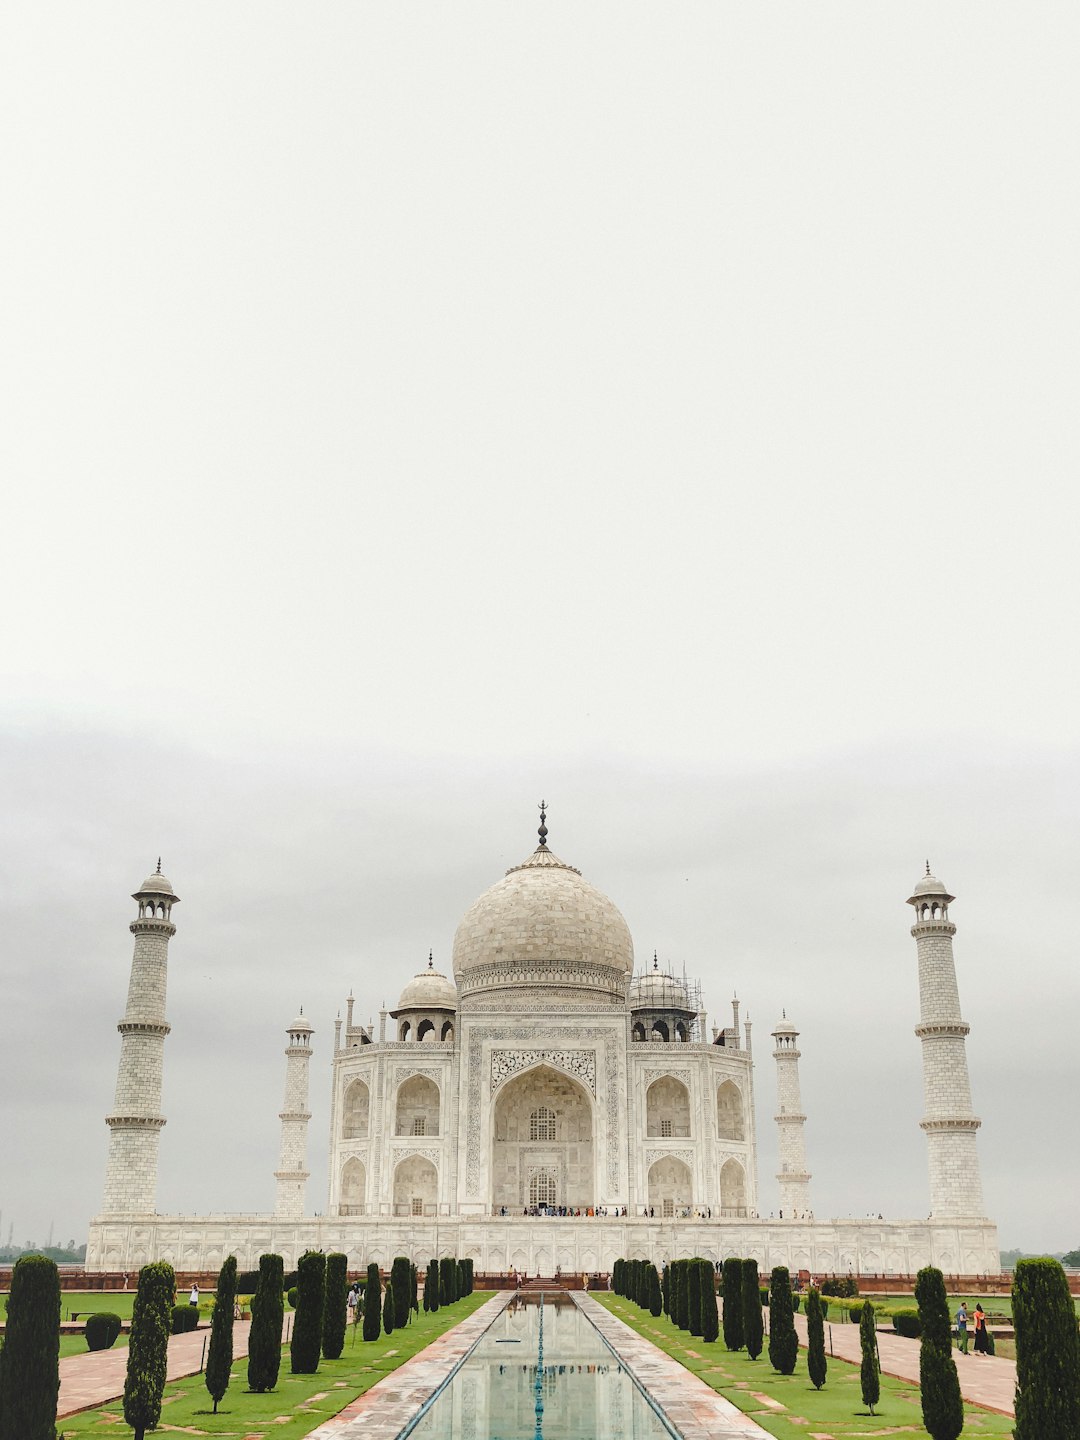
x=950 y=1125
x=292 y=1174
x=136 y=1120
x=793 y=1175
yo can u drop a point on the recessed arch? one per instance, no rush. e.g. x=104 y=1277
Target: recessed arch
x=355 y=1110
x=667 y=1108
x=447 y=1031
x=542 y=1121
x=730 y=1122
x=732 y=1188
x=426 y=1030
x=416 y=1186
x=417 y=1107
x=671 y=1186
x=353 y=1188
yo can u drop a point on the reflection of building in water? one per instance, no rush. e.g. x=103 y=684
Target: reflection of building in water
x=545 y=1109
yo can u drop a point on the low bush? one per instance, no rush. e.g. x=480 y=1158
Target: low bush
x=247 y=1282
x=291 y=1296
x=184 y=1319
x=855 y=1313
x=101 y=1330
x=843 y=1287
x=764 y=1297
x=795 y=1301
x=907 y=1322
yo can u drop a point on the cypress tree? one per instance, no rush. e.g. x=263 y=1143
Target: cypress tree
x=731 y=1294
x=219 y=1358
x=310 y=1301
x=267 y=1314
x=371 y=1303
x=461 y=1279
x=30 y=1358
x=665 y=1289
x=753 y=1327
x=869 y=1372
x=148 y=1347
x=684 y=1295
x=942 y=1407
x=447 y=1276
x=710 y=1320
x=676 y=1293
x=693 y=1296
x=783 y=1341
x=431 y=1286
x=1047 y=1353
x=656 y=1299
x=400 y=1285
x=816 y=1363
x=414 y=1283
x=389 y=1309
x=335 y=1305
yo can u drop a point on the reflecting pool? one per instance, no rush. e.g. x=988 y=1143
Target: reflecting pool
x=580 y=1391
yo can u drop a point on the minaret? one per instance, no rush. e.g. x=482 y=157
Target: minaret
x=950 y=1125
x=793 y=1175
x=136 y=1119
x=292 y=1175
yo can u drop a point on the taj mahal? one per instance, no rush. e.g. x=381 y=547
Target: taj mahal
x=550 y=1108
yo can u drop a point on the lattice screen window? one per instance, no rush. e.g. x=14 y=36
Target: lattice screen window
x=419 y=1125
x=542 y=1188
x=542 y=1125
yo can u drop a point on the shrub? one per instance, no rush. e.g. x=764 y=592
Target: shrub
x=693 y=1295
x=102 y=1329
x=796 y=1299
x=335 y=1305
x=371 y=1303
x=148 y=1348
x=400 y=1284
x=447 y=1280
x=219 y=1359
x=764 y=1298
x=753 y=1325
x=842 y=1287
x=1047 y=1353
x=816 y=1363
x=290 y=1296
x=855 y=1314
x=710 y=1320
x=656 y=1298
x=431 y=1286
x=783 y=1341
x=731 y=1295
x=869 y=1371
x=247 y=1282
x=30 y=1359
x=388 y=1309
x=267 y=1313
x=942 y=1407
x=665 y=1289
x=184 y=1318
x=460 y=1280
x=907 y=1322
x=306 y=1346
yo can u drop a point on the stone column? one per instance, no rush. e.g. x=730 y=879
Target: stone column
x=292 y=1172
x=136 y=1120
x=948 y=1119
x=793 y=1175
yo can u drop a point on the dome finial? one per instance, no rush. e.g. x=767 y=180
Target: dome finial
x=542 y=832
x=928 y=867
x=655 y=961
x=431 y=959
x=158 y=870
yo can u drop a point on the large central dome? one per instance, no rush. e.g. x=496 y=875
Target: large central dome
x=543 y=933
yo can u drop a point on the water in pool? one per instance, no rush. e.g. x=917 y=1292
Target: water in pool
x=583 y=1391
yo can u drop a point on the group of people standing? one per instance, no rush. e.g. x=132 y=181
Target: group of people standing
x=978 y=1317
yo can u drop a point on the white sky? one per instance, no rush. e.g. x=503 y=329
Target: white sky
x=413 y=410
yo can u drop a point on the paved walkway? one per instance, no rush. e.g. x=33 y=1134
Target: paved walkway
x=382 y=1412
x=985 y=1380
x=98 y=1376
x=694 y=1408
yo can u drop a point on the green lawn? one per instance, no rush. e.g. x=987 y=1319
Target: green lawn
x=298 y=1404
x=76 y=1345
x=788 y=1406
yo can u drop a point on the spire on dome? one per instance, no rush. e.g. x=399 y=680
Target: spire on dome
x=431 y=959
x=158 y=870
x=655 y=961
x=543 y=831
x=928 y=867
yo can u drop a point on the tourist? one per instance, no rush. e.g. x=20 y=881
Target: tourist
x=193 y=1298
x=982 y=1335
x=962 y=1329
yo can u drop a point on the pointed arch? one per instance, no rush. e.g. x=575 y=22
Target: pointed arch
x=730 y=1119
x=356 y=1110
x=353 y=1192
x=732 y=1188
x=667 y=1108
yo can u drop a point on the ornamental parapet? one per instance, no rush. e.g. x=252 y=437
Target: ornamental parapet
x=961 y=1122
x=294 y=1115
x=956 y=1028
x=933 y=927
x=135 y=1122
x=789 y=1115
x=153 y=927
x=144 y=1027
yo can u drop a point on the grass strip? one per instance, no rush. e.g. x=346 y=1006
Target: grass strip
x=298 y=1404
x=788 y=1406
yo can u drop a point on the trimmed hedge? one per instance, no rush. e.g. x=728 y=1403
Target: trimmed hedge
x=335 y=1306
x=1047 y=1353
x=306 y=1347
x=102 y=1329
x=30 y=1372
x=220 y=1356
x=267 y=1315
x=184 y=1319
x=148 y=1348
x=783 y=1340
x=290 y=1296
x=907 y=1322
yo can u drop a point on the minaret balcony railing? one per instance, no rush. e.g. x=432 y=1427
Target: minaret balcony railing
x=955 y=1028
x=956 y=1122
x=135 y=1122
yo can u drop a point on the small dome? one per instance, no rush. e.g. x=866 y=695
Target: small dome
x=430 y=990
x=929 y=885
x=657 y=990
x=155 y=884
x=300 y=1026
x=784 y=1026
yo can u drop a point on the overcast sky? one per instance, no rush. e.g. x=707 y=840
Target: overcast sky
x=413 y=411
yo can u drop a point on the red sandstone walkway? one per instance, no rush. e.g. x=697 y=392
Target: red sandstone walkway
x=985 y=1380
x=98 y=1376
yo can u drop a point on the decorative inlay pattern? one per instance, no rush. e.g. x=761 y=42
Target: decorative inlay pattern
x=406 y=1072
x=686 y=1156
x=683 y=1075
x=432 y=1155
x=581 y=1064
x=479 y=1033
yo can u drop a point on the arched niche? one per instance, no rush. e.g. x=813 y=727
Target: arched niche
x=730 y=1123
x=667 y=1108
x=353 y=1188
x=416 y=1187
x=417 y=1107
x=447 y=1031
x=732 y=1188
x=355 y=1111
x=638 y=1031
x=542 y=1125
x=426 y=1030
x=670 y=1186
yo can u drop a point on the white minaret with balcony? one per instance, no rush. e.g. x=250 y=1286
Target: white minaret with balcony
x=136 y=1120
x=948 y=1119
x=793 y=1175
x=292 y=1172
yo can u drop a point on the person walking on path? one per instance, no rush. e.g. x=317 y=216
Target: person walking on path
x=193 y=1298
x=962 y=1329
x=982 y=1335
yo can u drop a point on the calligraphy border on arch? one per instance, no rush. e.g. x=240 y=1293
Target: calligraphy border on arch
x=578 y=1064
